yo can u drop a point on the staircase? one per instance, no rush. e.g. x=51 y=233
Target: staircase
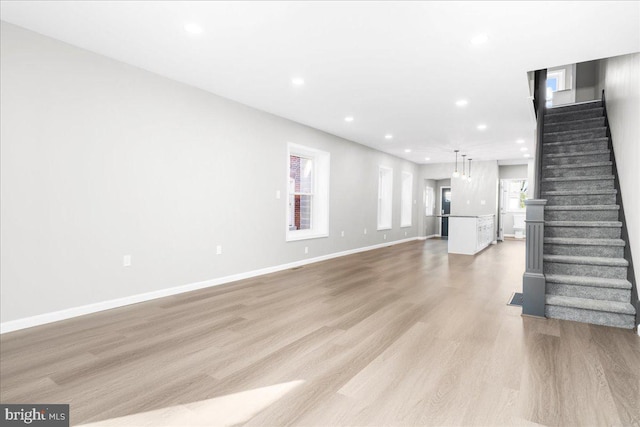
x=585 y=272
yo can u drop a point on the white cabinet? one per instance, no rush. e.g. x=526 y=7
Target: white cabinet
x=469 y=235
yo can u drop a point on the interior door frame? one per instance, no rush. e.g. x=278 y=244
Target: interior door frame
x=440 y=207
x=501 y=209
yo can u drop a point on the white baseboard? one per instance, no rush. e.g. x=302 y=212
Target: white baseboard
x=41 y=319
x=430 y=236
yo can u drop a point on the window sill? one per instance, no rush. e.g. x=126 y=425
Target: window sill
x=295 y=236
x=405 y=226
x=383 y=228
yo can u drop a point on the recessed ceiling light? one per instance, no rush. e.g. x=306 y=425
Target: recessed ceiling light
x=388 y=136
x=524 y=149
x=520 y=141
x=462 y=102
x=298 y=81
x=427 y=158
x=482 y=127
x=192 y=28
x=479 y=39
x=527 y=155
x=407 y=150
x=348 y=119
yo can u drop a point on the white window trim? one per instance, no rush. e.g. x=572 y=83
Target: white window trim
x=406 y=177
x=320 y=205
x=390 y=225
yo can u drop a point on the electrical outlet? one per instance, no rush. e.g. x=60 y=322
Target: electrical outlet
x=306 y=249
x=483 y=202
x=384 y=236
x=405 y=233
x=278 y=194
x=342 y=233
x=365 y=231
x=219 y=250
x=126 y=261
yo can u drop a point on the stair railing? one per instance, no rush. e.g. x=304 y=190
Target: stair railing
x=533 y=281
x=539 y=106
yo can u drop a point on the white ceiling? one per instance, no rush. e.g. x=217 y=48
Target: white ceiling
x=396 y=67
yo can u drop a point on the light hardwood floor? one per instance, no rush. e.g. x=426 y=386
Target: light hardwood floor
x=405 y=335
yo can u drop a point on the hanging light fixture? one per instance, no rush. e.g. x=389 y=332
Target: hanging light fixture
x=455 y=172
x=464 y=176
x=469 y=176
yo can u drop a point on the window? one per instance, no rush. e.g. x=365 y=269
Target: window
x=308 y=193
x=516 y=195
x=556 y=80
x=385 y=194
x=406 y=206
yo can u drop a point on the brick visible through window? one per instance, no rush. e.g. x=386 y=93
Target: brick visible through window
x=300 y=192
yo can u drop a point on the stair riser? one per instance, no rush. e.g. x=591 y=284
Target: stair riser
x=574 y=136
x=554 y=215
x=576 y=160
x=604 y=271
x=579 y=200
x=574 y=115
x=577 y=125
x=573 y=108
x=575 y=148
x=584 y=250
x=583 y=232
x=583 y=171
x=589 y=316
x=588 y=292
x=602 y=184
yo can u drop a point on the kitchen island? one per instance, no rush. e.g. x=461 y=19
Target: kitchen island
x=468 y=235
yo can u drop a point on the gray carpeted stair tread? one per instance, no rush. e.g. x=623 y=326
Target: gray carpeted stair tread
x=567 y=116
x=591 y=304
x=586 y=260
x=579 y=178
x=582 y=208
x=560 y=109
x=608 y=224
x=575 y=154
x=587 y=112
x=574 y=131
x=583 y=241
x=578 y=165
x=581 y=123
x=576 y=141
x=596 y=282
x=580 y=192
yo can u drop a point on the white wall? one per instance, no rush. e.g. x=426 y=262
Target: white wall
x=467 y=197
x=101 y=159
x=478 y=197
x=620 y=78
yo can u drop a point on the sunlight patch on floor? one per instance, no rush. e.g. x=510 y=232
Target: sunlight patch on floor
x=226 y=410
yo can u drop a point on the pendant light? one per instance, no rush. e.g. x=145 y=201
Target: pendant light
x=469 y=176
x=464 y=176
x=455 y=172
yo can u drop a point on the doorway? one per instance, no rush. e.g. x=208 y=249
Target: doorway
x=445 y=210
